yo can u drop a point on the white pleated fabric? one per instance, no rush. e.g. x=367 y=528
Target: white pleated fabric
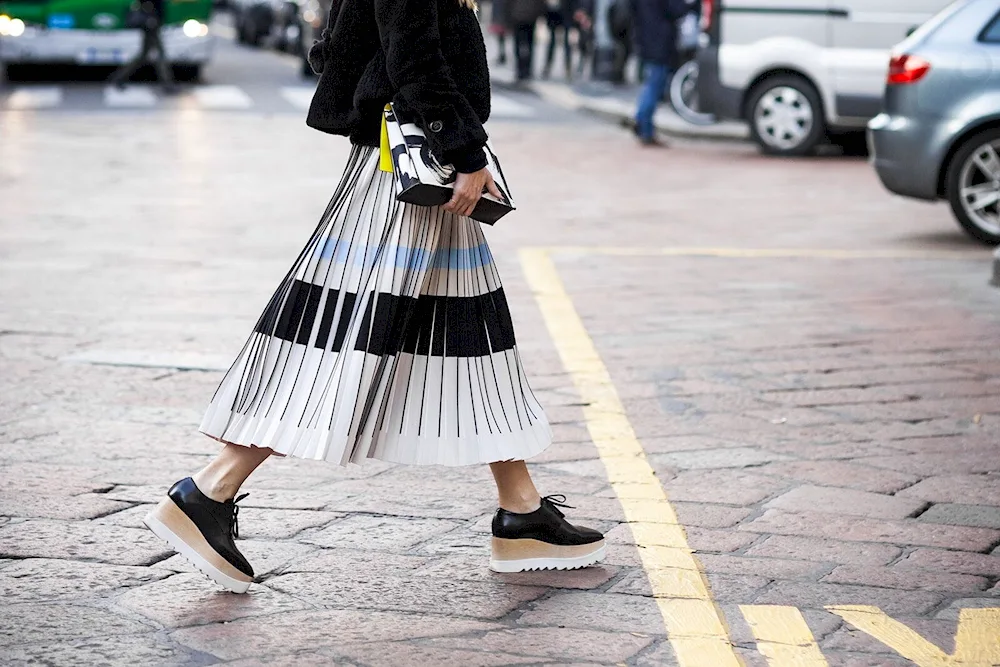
x=389 y=338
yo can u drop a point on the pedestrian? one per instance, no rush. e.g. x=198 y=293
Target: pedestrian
x=583 y=20
x=147 y=15
x=656 y=25
x=390 y=336
x=524 y=15
x=498 y=27
x=559 y=20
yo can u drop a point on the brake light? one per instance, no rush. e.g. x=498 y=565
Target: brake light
x=707 y=6
x=904 y=69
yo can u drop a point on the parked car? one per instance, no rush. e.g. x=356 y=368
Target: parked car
x=939 y=136
x=800 y=70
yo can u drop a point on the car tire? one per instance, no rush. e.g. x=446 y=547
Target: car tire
x=187 y=73
x=684 y=96
x=802 y=109
x=963 y=173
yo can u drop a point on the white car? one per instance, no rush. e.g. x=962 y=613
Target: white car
x=796 y=70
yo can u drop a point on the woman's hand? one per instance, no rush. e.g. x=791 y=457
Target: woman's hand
x=469 y=189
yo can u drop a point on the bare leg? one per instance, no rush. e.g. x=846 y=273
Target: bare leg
x=221 y=479
x=514 y=486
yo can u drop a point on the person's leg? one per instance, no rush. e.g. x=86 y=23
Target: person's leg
x=551 y=20
x=125 y=72
x=221 y=479
x=502 y=45
x=163 y=70
x=567 y=47
x=652 y=91
x=523 y=45
x=531 y=532
x=515 y=488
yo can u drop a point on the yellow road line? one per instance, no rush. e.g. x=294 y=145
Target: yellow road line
x=778 y=253
x=783 y=636
x=695 y=625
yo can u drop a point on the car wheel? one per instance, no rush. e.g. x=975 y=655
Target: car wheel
x=187 y=73
x=786 y=116
x=684 y=95
x=973 y=186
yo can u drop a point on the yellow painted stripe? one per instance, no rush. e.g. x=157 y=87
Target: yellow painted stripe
x=695 y=625
x=783 y=636
x=786 y=253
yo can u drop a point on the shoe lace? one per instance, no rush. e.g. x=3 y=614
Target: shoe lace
x=234 y=522
x=558 y=500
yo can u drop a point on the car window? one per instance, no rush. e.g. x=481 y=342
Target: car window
x=991 y=33
x=931 y=25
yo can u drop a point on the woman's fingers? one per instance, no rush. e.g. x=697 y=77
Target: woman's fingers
x=492 y=188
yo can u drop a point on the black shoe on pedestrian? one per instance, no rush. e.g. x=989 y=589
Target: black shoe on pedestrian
x=653 y=142
x=202 y=530
x=543 y=540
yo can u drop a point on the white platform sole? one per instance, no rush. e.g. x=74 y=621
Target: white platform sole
x=529 y=564
x=183 y=548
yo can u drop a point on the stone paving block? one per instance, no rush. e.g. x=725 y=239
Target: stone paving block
x=29 y=623
x=473 y=568
x=847 y=659
x=407 y=593
x=442 y=506
x=980 y=460
x=731 y=457
x=319 y=629
x=385 y=533
x=941 y=560
x=133 y=649
x=862 y=529
x=731 y=487
x=567 y=451
x=963 y=515
x=847 y=638
x=193 y=599
x=466 y=542
x=739 y=588
x=265 y=556
x=768 y=568
x=39 y=579
x=299 y=659
x=402 y=653
x=954 y=608
x=562 y=645
x=43 y=538
x=660 y=654
x=356 y=564
x=38 y=505
x=964 y=489
x=841 y=474
x=845 y=501
x=824 y=550
x=706 y=515
x=718 y=541
x=51 y=479
x=584 y=468
x=597 y=611
x=269 y=524
x=903 y=579
x=814 y=596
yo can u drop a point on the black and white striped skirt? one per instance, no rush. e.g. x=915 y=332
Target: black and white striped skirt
x=389 y=338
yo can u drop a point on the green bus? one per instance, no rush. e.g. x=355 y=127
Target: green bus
x=92 y=32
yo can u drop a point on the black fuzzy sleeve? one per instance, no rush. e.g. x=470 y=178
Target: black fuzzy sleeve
x=426 y=92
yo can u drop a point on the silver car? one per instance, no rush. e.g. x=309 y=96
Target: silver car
x=939 y=134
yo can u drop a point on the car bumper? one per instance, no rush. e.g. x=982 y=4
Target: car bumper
x=905 y=156
x=713 y=97
x=99 y=47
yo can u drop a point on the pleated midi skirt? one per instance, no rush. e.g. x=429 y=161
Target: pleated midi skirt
x=389 y=338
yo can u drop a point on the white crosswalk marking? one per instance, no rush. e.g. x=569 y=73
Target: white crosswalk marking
x=130 y=97
x=40 y=97
x=503 y=106
x=221 y=97
x=299 y=97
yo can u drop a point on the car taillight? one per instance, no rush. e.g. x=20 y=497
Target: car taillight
x=706 y=14
x=904 y=68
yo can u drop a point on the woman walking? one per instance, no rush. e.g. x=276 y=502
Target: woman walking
x=390 y=336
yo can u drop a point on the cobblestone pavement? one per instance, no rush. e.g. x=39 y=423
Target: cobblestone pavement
x=808 y=367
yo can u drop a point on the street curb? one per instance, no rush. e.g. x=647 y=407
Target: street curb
x=996 y=268
x=613 y=109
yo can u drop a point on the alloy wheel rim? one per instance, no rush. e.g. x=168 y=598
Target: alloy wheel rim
x=784 y=117
x=979 y=187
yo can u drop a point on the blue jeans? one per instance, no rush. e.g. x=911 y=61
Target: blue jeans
x=657 y=76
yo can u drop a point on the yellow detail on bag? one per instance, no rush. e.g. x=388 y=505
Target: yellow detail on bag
x=385 y=152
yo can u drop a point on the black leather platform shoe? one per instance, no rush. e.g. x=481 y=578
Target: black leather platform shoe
x=202 y=530
x=543 y=540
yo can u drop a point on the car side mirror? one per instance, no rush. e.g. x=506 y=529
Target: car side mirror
x=912 y=30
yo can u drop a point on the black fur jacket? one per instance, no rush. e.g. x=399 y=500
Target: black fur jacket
x=425 y=56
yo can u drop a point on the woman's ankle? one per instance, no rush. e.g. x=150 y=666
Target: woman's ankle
x=521 y=505
x=216 y=488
